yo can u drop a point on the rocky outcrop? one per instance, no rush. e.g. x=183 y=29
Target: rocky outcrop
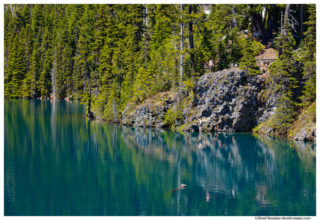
x=150 y=113
x=229 y=100
x=303 y=135
x=304 y=128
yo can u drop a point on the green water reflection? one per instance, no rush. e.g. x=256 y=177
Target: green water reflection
x=59 y=163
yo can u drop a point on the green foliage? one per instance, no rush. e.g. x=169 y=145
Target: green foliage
x=16 y=70
x=248 y=62
x=308 y=57
x=284 y=114
x=143 y=87
x=114 y=54
x=111 y=111
x=257 y=48
x=171 y=116
x=283 y=83
x=189 y=84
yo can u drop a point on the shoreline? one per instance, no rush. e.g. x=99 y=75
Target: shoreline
x=283 y=136
x=167 y=127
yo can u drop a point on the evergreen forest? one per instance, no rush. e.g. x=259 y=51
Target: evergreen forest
x=110 y=55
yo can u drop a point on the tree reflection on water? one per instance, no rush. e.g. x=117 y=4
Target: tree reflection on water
x=59 y=163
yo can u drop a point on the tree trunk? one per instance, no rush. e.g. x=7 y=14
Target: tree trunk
x=301 y=22
x=284 y=28
x=89 y=85
x=191 y=46
x=234 y=21
x=120 y=81
x=181 y=44
x=257 y=23
x=98 y=83
x=147 y=23
x=286 y=16
x=281 y=32
x=271 y=20
x=265 y=17
x=175 y=40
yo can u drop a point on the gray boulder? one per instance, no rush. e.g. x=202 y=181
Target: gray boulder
x=303 y=135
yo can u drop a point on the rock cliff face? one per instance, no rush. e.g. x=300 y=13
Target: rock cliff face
x=304 y=128
x=229 y=100
x=150 y=113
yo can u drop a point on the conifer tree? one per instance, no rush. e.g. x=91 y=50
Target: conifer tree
x=107 y=34
x=67 y=61
x=236 y=52
x=86 y=39
x=45 y=75
x=37 y=20
x=143 y=85
x=8 y=35
x=309 y=59
x=16 y=70
x=248 y=62
x=111 y=111
x=36 y=28
x=282 y=74
x=181 y=41
x=123 y=53
x=59 y=82
x=26 y=15
x=205 y=52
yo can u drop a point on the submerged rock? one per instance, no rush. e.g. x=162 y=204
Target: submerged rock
x=183 y=186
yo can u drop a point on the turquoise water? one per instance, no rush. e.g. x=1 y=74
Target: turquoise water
x=59 y=163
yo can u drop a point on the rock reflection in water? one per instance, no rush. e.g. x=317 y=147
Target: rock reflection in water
x=232 y=164
x=59 y=163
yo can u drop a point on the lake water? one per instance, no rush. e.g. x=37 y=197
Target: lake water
x=59 y=163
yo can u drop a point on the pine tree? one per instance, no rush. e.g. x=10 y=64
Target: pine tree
x=112 y=54
x=283 y=82
x=309 y=60
x=67 y=61
x=106 y=34
x=45 y=75
x=28 y=47
x=236 y=52
x=37 y=21
x=59 y=81
x=86 y=39
x=8 y=35
x=16 y=70
x=248 y=62
x=205 y=52
x=26 y=15
x=111 y=111
x=143 y=85
x=35 y=67
x=126 y=56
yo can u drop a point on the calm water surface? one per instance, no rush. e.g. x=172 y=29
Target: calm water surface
x=59 y=163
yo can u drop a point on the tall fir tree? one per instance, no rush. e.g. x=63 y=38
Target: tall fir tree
x=308 y=58
x=16 y=70
x=282 y=73
x=248 y=62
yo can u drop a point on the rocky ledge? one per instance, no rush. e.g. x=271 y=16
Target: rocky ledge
x=229 y=100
